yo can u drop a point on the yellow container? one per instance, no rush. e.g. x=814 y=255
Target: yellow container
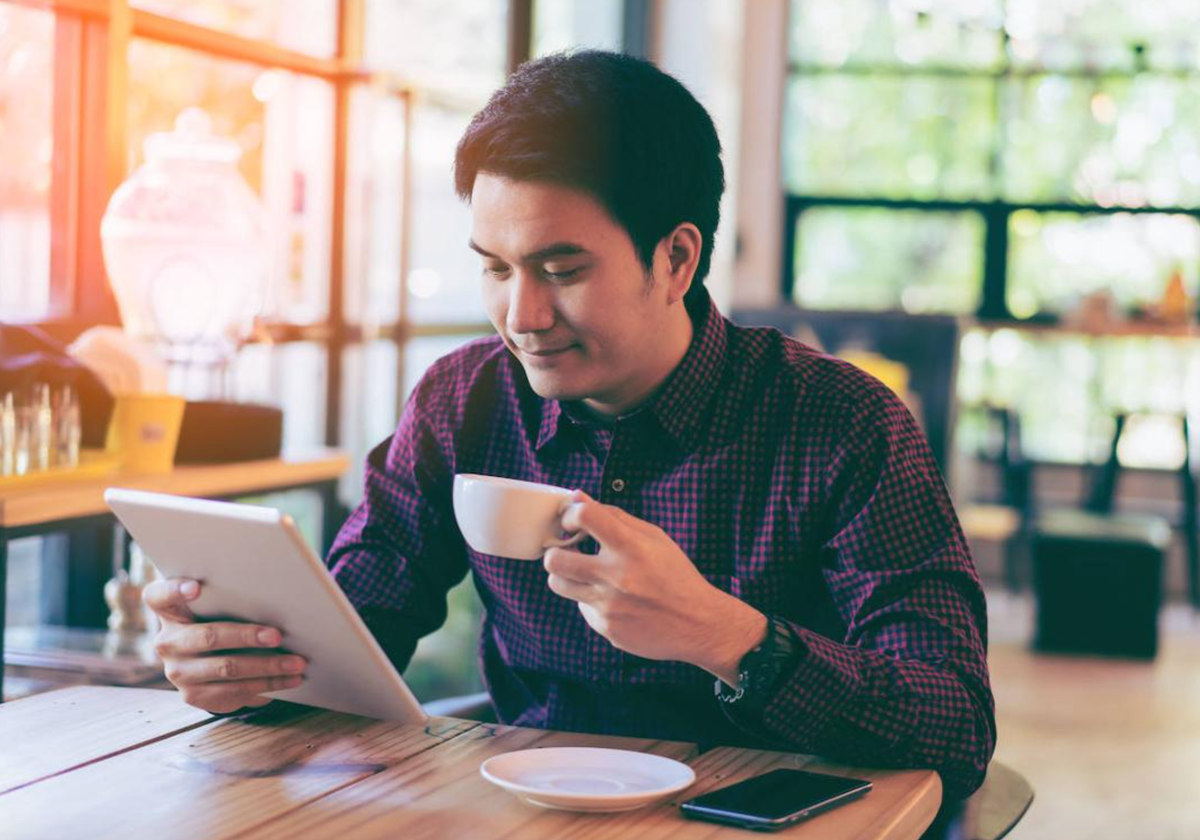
x=144 y=430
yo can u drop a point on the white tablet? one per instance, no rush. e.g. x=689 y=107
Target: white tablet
x=255 y=566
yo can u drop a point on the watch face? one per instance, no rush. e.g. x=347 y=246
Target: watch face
x=766 y=663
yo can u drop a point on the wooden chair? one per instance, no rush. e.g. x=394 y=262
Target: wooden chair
x=988 y=814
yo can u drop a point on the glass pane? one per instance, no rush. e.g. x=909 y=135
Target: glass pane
x=1124 y=364
x=914 y=260
x=26 y=147
x=292 y=377
x=304 y=25
x=1069 y=417
x=917 y=137
x=26 y=574
x=420 y=353
x=1150 y=379
x=1060 y=420
x=567 y=24
x=947 y=33
x=443 y=285
x=1057 y=258
x=1152 y=441
x=370 y=377
x=1104 y=34
x=1108 y=141
x=457 y=46
x=284 y=123
x=374 y=204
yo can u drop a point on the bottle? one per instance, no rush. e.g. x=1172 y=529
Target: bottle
x=1175 y=304
x=67 y=428
x=8 y=435
x=43 y=428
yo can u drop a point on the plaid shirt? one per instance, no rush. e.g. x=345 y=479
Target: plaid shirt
x=791 y=479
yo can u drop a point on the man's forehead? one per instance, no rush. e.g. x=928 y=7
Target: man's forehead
x=515 y=219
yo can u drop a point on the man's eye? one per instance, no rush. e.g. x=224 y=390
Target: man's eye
x=561 y=275
x=494 y=270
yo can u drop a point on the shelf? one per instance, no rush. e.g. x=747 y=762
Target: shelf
x=1122 y=329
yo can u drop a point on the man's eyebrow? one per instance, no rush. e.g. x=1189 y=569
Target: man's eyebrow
x=558 y=249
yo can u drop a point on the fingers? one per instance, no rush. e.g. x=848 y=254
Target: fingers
x=208 y=637
x=602 y=522
x=581 y=568
x=229 y=697
x=573 y=589
x=242 y=669
x=170 y=599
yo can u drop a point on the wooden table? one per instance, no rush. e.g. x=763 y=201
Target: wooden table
x=107 y=762
x=78 y=507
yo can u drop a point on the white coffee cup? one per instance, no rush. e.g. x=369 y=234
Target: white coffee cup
x=506 y=517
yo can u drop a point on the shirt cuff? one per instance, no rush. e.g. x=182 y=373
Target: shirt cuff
x=823 y=685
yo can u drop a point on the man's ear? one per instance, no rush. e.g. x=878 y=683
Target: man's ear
x=682 y=250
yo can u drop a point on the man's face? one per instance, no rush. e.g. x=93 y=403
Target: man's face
x=564 y=288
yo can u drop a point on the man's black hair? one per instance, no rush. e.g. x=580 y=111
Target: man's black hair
x=613 y=126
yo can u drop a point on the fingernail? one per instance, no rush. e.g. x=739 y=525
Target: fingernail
x=268 y=637
x=292 y=665
x=190 y=589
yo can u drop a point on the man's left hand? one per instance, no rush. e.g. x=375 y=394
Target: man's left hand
x=643 y=594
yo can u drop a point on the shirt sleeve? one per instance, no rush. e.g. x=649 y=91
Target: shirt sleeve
x=908 y=684
x=400 y=551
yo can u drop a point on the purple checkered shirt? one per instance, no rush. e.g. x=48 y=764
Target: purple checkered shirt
x=791 y=479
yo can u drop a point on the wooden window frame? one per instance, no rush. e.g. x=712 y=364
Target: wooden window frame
x=89 y=152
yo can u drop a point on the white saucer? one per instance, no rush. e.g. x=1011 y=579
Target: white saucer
x=587 y=778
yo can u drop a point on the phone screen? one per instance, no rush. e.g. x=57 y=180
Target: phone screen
x=777 y=795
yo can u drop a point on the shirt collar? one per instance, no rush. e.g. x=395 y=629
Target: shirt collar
x=679 y=407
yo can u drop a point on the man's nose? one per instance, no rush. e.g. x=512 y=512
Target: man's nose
x=530 y=304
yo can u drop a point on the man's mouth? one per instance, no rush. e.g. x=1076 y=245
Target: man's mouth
x=541 y=352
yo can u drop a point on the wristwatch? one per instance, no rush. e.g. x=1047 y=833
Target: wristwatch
x=761 y=669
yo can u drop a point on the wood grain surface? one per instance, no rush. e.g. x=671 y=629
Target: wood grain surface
x=37 y=505
x=56 y=732
x=220 y=780
x=442 y=794
x=295 y=772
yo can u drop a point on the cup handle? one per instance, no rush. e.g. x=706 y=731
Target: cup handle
x=566 y=542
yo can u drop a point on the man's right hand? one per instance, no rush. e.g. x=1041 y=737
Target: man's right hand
x=218 y=666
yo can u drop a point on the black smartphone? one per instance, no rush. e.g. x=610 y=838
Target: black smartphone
x=775 y=800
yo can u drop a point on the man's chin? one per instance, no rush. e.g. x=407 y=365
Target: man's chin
x=551 y=386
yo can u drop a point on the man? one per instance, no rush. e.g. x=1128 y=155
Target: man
x=772 y=555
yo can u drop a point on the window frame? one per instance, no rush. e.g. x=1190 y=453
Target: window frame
x=996 y=214
x=89 y=152
x=89 y=132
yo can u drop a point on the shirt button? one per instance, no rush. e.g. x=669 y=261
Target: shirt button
x=618 y=485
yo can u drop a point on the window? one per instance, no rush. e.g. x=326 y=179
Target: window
x=27 y=137
x=565 y=24
x=1005 y=159
x=309 y=26
x=284 y=124
x=347 y=113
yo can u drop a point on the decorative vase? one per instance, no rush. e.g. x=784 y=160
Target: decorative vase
x=184 y=248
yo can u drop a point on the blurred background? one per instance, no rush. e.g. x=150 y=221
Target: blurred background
x=994 y=205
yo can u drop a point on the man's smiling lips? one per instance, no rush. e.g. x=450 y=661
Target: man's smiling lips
x=544 y=355
x=542 y=352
